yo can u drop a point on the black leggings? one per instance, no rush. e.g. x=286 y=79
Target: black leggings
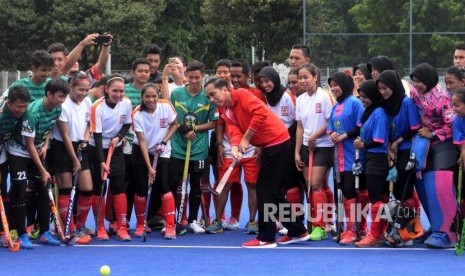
x=348 y=184
x=377 y=187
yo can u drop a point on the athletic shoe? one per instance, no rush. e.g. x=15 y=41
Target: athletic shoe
x=288 y=240
x=318 y=234
x=170 y=233
x=425 y=236
x=393 y=239
x=3 y=240
x=102 y=234
x=439 y=240
x=88 y=230
x=251 y=227
x=233 y=224
x=123 y=235
x=33 y=232
x=330 y=229
x=139 y=231
x=181 y=229
x=148 y=229
x=370 y=241
x=215 y=227
x=195 y=228
x=348 y=237
x=47 y=239
x=163 y=230
x=24 y=241
x=255 y=243
x=14 y=234
x=81 y=237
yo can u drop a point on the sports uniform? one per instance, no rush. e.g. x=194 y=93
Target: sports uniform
x=108 y=121
x=154 y=127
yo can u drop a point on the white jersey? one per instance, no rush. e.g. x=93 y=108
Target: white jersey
x=77 y=116
x=109 y=121
x=314 y=112
x=285 y=109
x=155 y=125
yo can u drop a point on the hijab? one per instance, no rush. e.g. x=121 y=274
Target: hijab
x=345 y=82
x=370 y=90
x=427 y=74
x=391 y=79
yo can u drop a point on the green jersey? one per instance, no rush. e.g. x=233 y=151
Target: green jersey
x=37 y=123
x=184 y=102
x=36 y=91
x=133 y=94
x=8 y=124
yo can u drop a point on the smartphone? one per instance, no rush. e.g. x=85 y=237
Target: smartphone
x=102 y=39
x=172 y=60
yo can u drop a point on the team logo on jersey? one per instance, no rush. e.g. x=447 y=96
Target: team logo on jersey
x=285 y=111
x=26 y=127
x=163 y=122
x=318 y=108
x=122 y=119
x=337 y=126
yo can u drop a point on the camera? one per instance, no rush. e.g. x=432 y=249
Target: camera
x=102 y=39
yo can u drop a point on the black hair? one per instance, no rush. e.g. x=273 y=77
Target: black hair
x=42 y=58
x=76 y=77
x=460 y=93
x=223 y=62
x=110 y=80
x=241 y=63
x=151 y=49
x=138 y=61
x=259 y=65
x=461 y=46
x=217 y=83
x=180 y=58
x=294 y=71
x=195 y=65
x=142 y=92
x=18 y=93
x=458 y=72
x=100 y=82
x=57 y=85
x=304 y=48
x=57 y=47
x=311 y=68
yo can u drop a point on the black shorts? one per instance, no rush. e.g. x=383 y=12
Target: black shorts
x=117 y=165
x=376 y=164
x=59 y=159
x=322 y=156
x=195 y=166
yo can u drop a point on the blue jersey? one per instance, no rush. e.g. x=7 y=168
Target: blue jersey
x=376 y=129
x=408 y=119
x=458 y=130
x=345 y=117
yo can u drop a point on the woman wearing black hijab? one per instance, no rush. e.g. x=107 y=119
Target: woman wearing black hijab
x=373 y=141
x=405 y=122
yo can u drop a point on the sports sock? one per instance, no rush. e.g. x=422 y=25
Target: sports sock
x=236 y=195
x=84 y=203
x=318 y=201
x=95 y=201
x=168 y=208
x=120 y=206
x=330 y=200
x=139 y=208
x=63 y=203
x=207 y=197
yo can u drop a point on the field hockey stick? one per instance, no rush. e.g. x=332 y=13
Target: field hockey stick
x=55 y=214
x=149 y=193
x=104 y=181
x=185 y=176
x=337 y=174
x=357 y=170
x=225 y=177
x=69 y=214
x=460 y=241
x=12 y=245
x=309 y=186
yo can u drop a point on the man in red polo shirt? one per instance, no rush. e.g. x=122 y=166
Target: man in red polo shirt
x=248 y=121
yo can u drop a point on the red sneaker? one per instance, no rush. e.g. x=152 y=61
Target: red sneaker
x=123 y=234
x=170 y=233
x=255 y=243
x=102 y=234
x=288 y=240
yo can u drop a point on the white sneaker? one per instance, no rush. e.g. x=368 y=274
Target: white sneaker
x=283 y=231
x=195 y=228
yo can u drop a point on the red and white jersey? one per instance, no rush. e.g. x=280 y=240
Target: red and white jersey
x=314 y=112
x=109 y=121
x=285 y=109
x=77 y=116
x=154 y=125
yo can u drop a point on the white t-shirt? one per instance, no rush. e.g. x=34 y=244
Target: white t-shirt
x=109 y=121
x=155 y=125
x=285 y=109
x=77 y=116
x=314 y=112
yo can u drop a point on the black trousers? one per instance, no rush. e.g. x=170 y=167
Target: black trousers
x=273 y=179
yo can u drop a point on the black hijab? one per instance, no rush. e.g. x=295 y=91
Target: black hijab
x=380 y=63
x=363 y=67
x=274 y=96
x=370 y=90
x=427 y=74
x=345 y=82
x=391 y=79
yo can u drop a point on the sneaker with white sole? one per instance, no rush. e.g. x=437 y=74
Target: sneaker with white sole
x=233 y=224
x=256 y=243
x=195 y=228
x=288 y=240
x=251 y=227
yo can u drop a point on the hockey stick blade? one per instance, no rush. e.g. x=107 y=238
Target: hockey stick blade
x=225 y=177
